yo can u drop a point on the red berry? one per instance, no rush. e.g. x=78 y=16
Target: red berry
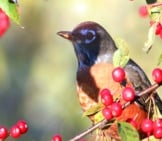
x=15 y=131
x=3 y=132
x=160 y=34
x=158 y=29
x=147 y=126
x=157 y=75
x=143 y=11
x=106 y=97
x=118 y=74
x=4 y=22
x=22 y=126
x=128 y=94
x=116 y=109
x=132 y=122
x=158 y=133
x=157 y=123
x=107 y=113
x=57 y=137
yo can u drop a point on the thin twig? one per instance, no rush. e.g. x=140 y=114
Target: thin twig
x=90 y=130
x=157 y=4
x=102 y=123
x=150 y=89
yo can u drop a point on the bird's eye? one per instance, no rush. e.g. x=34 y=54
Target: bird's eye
x=88 y=35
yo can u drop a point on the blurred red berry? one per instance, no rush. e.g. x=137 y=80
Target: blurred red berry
x=106 y=97
x=3 y=132
x=4 y=22
x=158 y=28
x=116 y=109
x=158 y=133
x=57 y=137
x=147 y=126
x=107 y=113
x=143 y=11
x=128 y=94
x=15 y=131
x=118 y=74
x=157 y=123
x=160 y=34
x=22 y=124
x=157 y=75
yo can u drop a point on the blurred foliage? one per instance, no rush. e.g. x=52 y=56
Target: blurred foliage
x=38 y=68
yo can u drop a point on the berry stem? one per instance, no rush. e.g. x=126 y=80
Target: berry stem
x=150 y=89
x=157 y=4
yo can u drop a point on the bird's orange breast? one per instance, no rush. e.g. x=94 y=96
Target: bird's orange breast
x=91 y=81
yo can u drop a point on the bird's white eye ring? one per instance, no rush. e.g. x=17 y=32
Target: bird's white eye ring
x=90 y=36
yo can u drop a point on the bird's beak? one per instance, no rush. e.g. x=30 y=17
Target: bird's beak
x=65 y=34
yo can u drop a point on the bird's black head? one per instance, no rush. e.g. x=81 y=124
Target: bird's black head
x=91 y=42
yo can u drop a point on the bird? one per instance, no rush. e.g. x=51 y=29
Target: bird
x=94 y=48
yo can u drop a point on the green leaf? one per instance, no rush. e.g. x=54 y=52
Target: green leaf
x=151 y=38
x=127 y=132
x=121 y=55
x=98 y=117
x=122 y=46
x=119 y=60
x=11 y=9
x=159 y=59
x=93 y=109
x=155 y=13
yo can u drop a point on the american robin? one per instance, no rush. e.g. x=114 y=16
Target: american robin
x=94 y=48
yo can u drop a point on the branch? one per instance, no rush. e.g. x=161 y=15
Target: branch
x=157 y=4
x=102 y=123
x=150 y=89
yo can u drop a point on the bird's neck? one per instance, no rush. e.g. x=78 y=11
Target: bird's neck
x=103 y=55
x=103 y=58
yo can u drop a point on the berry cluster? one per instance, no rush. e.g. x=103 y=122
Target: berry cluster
x=113 y=108
x=154 y=13
x=152 y=127
x=128 y=93
x=4 y=22
x=15 y=131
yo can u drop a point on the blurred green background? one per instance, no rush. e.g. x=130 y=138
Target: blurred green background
x=37 y=67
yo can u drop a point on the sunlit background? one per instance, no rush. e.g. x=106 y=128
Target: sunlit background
x=37 y=67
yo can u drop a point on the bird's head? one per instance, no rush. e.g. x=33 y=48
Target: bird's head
x=91 y=42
